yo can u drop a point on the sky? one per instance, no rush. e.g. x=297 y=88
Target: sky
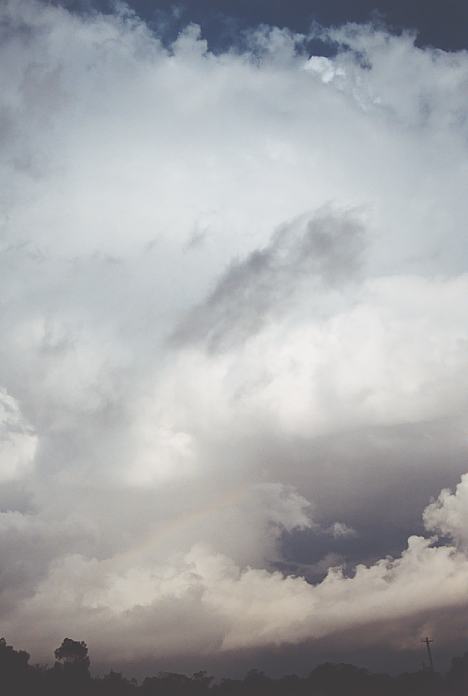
x=439 y=23
x=233 y=367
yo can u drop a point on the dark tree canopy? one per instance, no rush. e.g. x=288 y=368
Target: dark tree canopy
x=70 y=677
x=72 y=652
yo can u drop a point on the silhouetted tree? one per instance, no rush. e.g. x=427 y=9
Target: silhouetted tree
x=422 y=683
x=457 y=677
x=115 y=684
x=167 y=684
x=201 y=682
x=256 y=683
x=70 y=677
x=72 y=667
x=73 y=652
x=15 y=672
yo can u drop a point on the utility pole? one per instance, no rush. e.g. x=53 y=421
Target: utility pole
x=428 y=642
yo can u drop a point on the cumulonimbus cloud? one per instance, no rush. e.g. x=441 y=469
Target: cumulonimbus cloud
x=233 y=313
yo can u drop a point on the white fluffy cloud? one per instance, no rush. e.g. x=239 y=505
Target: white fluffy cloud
x=234 y=608
x=17 y=440
x=233 y=308
x=448 y=515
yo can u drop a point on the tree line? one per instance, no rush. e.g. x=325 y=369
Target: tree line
x=70 y=676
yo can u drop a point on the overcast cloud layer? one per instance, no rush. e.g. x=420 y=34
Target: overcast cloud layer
x=234 y=338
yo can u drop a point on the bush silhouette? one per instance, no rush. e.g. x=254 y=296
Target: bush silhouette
x=70 y=676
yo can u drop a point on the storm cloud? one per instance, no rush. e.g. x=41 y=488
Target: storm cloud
x=234 y=366
x=322 y=251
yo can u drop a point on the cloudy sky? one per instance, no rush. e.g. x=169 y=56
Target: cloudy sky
x=234 y=320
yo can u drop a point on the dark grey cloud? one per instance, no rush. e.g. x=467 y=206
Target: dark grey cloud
x=323 y=252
